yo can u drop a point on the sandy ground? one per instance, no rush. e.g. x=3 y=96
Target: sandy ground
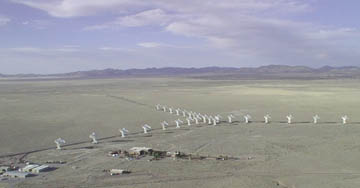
x=33 y=114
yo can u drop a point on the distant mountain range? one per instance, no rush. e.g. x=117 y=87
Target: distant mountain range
x=263 y=72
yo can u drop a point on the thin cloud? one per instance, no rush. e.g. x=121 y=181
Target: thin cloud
x=115 y=49
x=162 y=45
x=27 y=49
x=150 y=44
x=70 y=8
x=255 y=30
x=4 y=20
x=37 y=24
x=155 y=17
x=149 y=17
x=36 y=50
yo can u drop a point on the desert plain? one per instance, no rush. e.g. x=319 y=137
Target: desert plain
x=302 y=154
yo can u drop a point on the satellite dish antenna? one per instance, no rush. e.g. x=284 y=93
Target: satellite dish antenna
x=267 y=118
x=209 y=120
x=247 y=118
x=93 y=137
x=146 y=128
x=217 y=118
x=196 y=120
x=344 y=119
x=158 y=106
x=213 y=120
x=192 y=115
x=188 y=121
x=184 y=113
x=123 y=132
x=289 y=118
x=59 y=142
x=178 y=121
x=203 y=118
x=164 y=108
x=198 y=116
x=177 y=111
x=316 y=118
x=230 y=117
x=164 y=124
x=170 y=110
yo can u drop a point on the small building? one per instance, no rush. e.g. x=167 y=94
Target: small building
x=55 y=162
x=114 y=172
x=29 y=168
x=4 y=168
x=16 y=174
x=39 y=169
x=140 y=151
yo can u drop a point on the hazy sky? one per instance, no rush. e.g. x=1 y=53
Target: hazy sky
x=51 y=36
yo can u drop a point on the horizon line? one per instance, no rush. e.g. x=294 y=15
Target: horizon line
x=174 y=67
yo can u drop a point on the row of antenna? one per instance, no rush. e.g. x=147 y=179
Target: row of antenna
x=196 y=116
x=190 y=118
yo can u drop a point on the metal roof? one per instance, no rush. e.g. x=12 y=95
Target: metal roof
x=29 y=167
x=40 y=168
x=16 y=174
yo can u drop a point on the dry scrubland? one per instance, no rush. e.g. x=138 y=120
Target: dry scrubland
x=34 y=113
